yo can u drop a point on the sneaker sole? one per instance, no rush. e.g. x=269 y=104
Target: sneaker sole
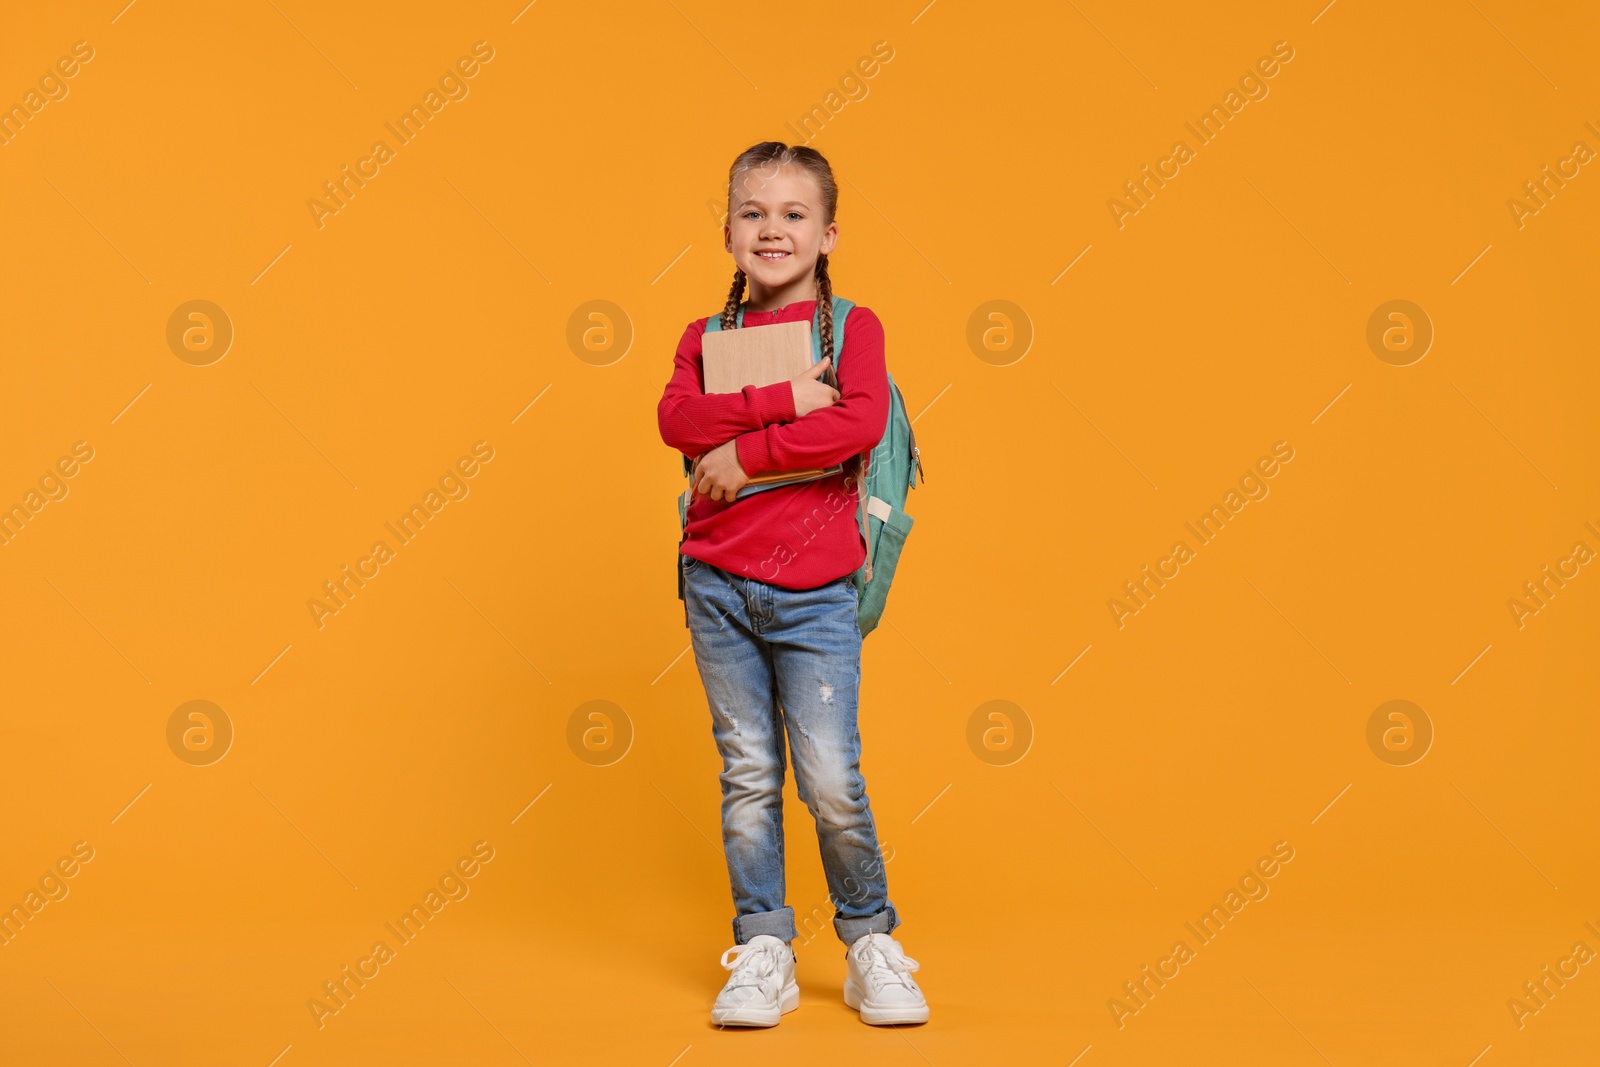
x=748 y=1016
x=884 y=1016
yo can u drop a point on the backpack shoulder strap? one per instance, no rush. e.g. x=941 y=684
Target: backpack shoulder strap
x=841 y=311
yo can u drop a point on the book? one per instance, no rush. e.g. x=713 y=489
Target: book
x=754 y=355
x=760 y=355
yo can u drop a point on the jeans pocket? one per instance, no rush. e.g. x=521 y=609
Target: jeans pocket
x=687 y=565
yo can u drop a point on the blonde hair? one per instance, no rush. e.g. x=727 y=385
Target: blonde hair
x=771 y=155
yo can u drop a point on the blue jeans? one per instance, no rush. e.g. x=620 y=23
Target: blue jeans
x=775 y=661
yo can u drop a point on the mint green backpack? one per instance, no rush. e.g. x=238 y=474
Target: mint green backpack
x=893 y=469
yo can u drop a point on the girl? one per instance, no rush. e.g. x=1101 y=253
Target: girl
x=769 y=599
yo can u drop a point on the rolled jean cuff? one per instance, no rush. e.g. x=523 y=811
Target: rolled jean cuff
x=851 y=929
x=779 y=924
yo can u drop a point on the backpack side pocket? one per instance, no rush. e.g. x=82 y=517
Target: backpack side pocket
x=890 y=527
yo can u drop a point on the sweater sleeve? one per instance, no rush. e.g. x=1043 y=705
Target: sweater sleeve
x=693 y=421
x=854 y=423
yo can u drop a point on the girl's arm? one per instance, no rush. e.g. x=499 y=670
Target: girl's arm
x=693 y=421
x=854 y=423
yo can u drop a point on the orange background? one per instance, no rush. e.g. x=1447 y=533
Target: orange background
x=428 y=714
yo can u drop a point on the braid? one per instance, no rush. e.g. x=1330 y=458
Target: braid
x=769 y=156
x=825 y=316
x=730 y=311
x=855 y=467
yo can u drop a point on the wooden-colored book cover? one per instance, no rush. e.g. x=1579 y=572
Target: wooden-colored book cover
x=759 y=355
x=755 y=355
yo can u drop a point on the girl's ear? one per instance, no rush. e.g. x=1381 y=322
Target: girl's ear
x=830 y=237
x=727 y=238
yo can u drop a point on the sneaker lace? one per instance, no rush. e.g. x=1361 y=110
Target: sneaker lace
x=751 y=964
x=884 y=964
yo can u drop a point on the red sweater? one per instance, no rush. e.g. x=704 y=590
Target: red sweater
x=798 y=536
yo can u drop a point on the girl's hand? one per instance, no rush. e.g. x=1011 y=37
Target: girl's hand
x=717 y=474
x=810 y=393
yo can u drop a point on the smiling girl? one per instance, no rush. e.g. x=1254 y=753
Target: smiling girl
x=770 y=600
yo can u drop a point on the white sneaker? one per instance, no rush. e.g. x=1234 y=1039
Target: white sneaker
x=880 y=985
x=762 y=986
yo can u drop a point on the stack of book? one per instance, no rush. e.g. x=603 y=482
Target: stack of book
x=760 y=355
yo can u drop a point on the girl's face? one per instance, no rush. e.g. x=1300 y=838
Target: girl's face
x=775 y=232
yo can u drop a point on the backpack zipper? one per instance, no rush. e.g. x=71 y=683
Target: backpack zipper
x=916 y=453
